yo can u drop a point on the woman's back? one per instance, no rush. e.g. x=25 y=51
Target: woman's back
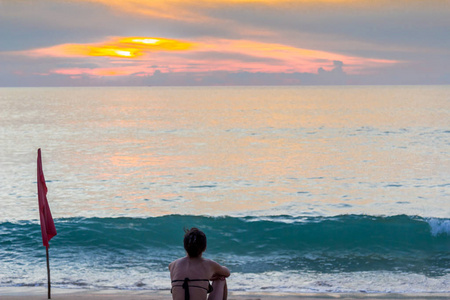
x=198 y=271
x=190 y=275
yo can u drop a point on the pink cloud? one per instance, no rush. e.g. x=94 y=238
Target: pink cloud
x=125 y=56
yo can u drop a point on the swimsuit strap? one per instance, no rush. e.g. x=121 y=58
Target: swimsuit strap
x=190 y=280
x=187 y=296
x=186 y=286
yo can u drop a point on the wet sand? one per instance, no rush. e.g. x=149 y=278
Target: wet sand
x=39 y=293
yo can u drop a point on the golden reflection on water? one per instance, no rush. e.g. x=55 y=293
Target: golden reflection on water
x=156 y=151
x=264 y=139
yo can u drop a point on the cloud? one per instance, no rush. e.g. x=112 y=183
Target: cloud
x=194 y=10
x=35 y=24
x=335 y=76
x=122 y=56
x=216 y=55
x=122 y=47
x=373 y=29
x=249 y=39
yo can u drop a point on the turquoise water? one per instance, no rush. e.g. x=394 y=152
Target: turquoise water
x=129 y=253
x=299 y=189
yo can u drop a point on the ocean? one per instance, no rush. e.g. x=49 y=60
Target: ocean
x=298 y=189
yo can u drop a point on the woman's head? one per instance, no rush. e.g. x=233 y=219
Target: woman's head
x=194 y=242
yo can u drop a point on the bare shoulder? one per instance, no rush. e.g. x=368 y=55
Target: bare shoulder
x=210 y=262
x=217 y=268
x=174 y=263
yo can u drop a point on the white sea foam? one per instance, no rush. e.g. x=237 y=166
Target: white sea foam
x=439 y=226
x=345 y=282
x=271 y=282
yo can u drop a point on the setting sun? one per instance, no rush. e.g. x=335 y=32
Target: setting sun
x=129 y=47
x=146 y=41
x=113 y=52
x=155 y=44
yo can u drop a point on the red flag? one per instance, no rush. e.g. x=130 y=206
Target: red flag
x=47 y=225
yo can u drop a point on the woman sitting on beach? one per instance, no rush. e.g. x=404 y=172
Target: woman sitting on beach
x=191 y=274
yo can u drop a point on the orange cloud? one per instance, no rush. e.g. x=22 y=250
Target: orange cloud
x=170 y=55
x=188 y=10
x=130 y=47
x=168 y=9
x=106 y=50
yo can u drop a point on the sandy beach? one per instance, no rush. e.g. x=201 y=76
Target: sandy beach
x=39 y=293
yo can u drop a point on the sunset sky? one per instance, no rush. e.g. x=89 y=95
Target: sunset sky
x=223 y=42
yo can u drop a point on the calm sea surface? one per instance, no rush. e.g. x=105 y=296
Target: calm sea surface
x=364 y=156
x=227 y=151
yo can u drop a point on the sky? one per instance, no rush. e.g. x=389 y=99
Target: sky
x=223 y=42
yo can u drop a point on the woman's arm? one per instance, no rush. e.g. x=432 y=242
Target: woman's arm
x=219 y=271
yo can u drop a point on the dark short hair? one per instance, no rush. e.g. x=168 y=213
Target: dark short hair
x=194 y=242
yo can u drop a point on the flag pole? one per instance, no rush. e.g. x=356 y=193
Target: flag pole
x=48 y=229
x=48 y=275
